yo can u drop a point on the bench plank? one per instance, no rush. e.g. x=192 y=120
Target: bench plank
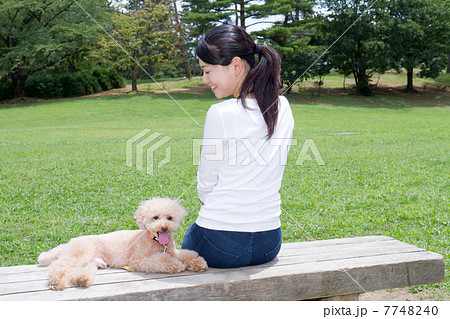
x=306 y=270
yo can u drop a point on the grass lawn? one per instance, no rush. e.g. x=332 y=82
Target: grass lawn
x=63 y=172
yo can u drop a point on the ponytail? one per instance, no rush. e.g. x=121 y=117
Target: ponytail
x=264 y=82
x=221 y=44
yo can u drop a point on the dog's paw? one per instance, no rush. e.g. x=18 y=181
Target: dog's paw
x=175 y=266
x=99 y=263
x=57 y=286
x=170 y=264
x=196 y=264
x=83 y=281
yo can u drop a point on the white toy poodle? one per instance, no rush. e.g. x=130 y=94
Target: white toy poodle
x=150 y=249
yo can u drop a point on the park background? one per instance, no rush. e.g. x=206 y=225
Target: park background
x=367 y=81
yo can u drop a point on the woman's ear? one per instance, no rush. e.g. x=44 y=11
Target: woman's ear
x=238 y=65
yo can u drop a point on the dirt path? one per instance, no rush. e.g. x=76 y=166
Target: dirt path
x=142 y=89
x=402 y=294
x=425 y=95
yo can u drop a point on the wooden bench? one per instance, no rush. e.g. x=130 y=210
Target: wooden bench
x=302 y=271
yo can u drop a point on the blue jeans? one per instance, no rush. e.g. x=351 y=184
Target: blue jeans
x=229 y=249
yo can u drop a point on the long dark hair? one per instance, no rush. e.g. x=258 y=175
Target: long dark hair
x=221 y=44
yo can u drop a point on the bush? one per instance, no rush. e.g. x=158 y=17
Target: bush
x=116 y=80
x=6 y=90
x=44 y=86
x=90 y=83
x=72 y=84
x=103 y=78
x=80 y=83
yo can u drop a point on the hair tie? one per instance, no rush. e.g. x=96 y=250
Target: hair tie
x=256 y=51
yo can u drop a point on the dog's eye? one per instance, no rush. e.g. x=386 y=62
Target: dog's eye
x=169 y=218
x=155 y=218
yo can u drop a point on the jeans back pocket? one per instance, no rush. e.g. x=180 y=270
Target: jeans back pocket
x=215 y=257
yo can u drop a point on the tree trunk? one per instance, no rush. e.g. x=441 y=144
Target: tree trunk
x=360 y=77
x=448 y=64
x=134 y=75
x=409 y=83
x=362 y=80
x=186 y=64
x=18 y=79
x=242 y=14
x=181 y=40
x=194 y=66
x=355 y=76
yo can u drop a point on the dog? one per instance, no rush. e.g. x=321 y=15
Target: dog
x=150 y=249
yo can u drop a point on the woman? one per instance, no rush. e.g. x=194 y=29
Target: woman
x=245 y=144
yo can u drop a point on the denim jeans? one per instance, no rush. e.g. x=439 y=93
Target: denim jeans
x=229 y=249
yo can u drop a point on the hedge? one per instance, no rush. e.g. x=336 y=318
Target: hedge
x=6 y=90
x=72 y=84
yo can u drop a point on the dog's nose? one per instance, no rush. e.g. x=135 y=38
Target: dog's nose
x=164 y=229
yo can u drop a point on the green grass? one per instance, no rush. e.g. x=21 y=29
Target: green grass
x=63 y=172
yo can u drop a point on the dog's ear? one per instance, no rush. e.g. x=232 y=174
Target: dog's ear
x=182 y=211
x=139 y=215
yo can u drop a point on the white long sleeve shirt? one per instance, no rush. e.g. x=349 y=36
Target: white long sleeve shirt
x=240 y=170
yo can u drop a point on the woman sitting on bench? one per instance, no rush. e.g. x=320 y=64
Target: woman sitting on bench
x=245 y=146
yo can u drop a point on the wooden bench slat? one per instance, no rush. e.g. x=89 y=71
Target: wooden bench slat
x=339 y=241
x=19 y=269
x=369 y=248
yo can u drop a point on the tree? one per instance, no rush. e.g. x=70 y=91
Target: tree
x=45 y=35
x=418 y=34
x=351 y=30
x=290 y=36
x=181 y=40
x=145 y=34
x=199 y=16
x=202 y=15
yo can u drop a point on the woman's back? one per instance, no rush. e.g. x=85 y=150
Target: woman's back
x=243 y=196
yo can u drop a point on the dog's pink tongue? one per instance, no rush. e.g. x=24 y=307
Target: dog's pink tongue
x=163 y=238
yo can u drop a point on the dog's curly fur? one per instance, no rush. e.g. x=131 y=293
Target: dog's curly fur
x=76 y=263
